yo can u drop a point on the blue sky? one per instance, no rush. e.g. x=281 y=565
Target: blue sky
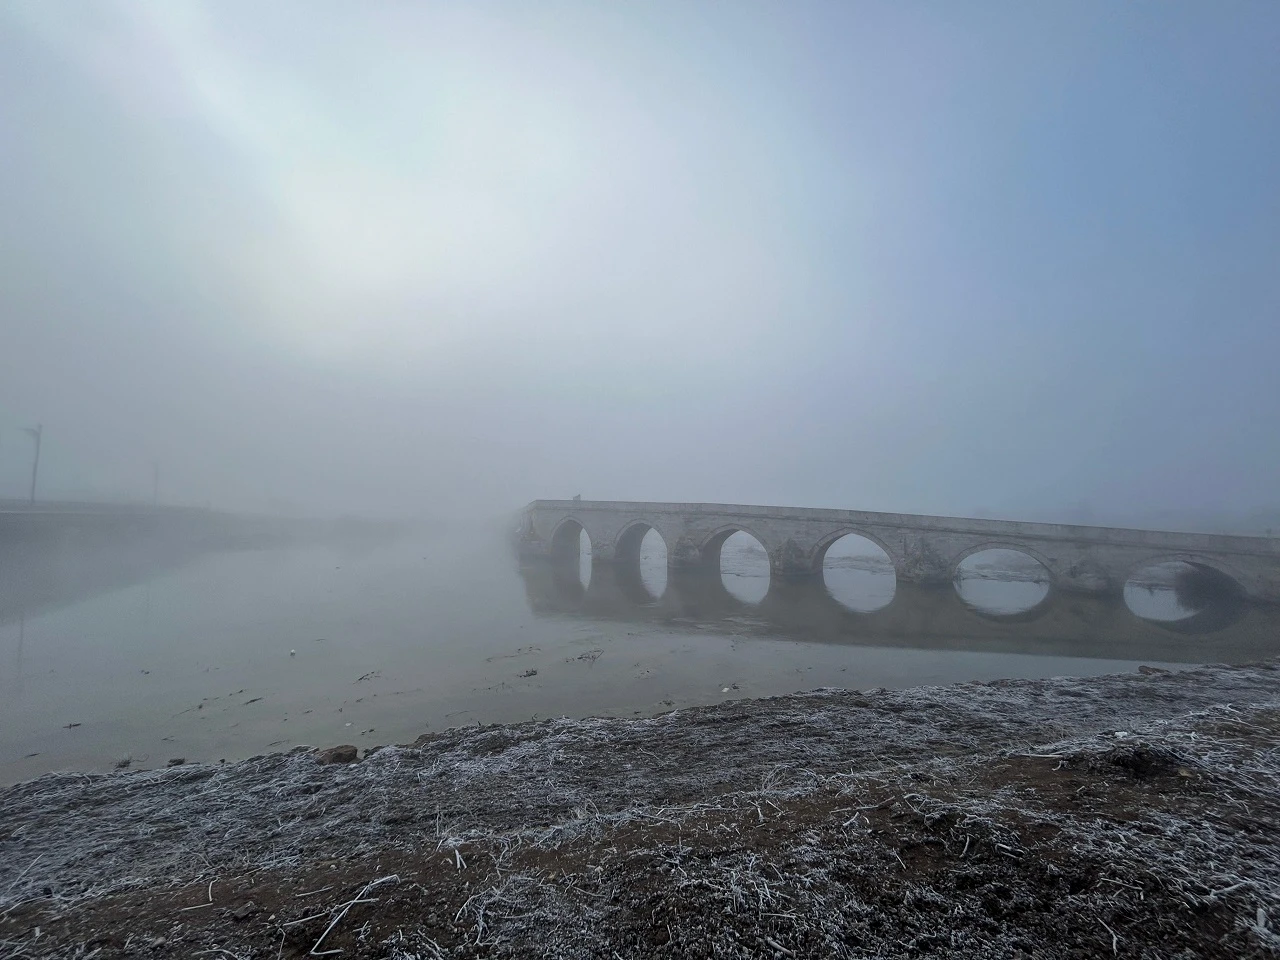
x=930 y=257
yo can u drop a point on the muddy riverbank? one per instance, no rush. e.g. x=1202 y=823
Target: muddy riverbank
x=232 y=655
x=1126 y=815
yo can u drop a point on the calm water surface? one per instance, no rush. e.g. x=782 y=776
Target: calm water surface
x=229 y=655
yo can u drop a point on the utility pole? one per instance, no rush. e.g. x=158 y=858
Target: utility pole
x=35 y=433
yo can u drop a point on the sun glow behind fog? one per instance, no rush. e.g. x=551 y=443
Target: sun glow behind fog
x=449 y=177
x=453 y=223
x=443 y=179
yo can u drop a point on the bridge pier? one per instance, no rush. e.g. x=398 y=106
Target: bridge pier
x=795 y=561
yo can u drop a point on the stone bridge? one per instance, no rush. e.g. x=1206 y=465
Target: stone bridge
x=924 y=550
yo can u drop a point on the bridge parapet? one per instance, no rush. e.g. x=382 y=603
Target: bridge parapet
x=923 y=549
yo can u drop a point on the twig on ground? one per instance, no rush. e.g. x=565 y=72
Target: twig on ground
x=19 y=877
x=1115 y=940
x=315 y=950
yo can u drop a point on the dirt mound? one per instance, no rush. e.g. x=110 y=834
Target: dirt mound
x=1143 y=761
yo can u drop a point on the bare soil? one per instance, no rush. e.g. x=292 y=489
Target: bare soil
x=1129 y=816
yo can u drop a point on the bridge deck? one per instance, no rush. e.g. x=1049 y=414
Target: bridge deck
x=1264 y=546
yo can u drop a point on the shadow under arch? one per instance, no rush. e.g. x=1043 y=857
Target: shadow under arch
x=566 y=539
x=632 y=538
x=1215 y=596
x=628 y=551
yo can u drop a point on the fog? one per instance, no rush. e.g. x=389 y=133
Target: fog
x=435 y=260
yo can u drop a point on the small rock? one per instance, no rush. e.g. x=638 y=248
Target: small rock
x=177 y=761
x=345 y=753
x=529 y=673
x=244 y=912
x=1147 y=671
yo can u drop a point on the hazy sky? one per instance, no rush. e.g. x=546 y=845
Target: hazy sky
x=435 y=256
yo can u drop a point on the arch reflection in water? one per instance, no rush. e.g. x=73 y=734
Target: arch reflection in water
x=744 y=566
x=918 y=617
x=1002 y=582
x=858 y=573
x=571 y=553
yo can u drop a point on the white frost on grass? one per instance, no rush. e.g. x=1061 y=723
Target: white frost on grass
x=485 y=794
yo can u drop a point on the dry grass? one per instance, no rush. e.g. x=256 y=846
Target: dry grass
x=1108 y=815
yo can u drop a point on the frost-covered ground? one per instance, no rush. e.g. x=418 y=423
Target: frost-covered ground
x=1128 y=816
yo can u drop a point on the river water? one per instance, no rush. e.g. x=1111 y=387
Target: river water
x=229 y=655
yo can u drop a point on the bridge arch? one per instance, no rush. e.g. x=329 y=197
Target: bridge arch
x=742 y=584
x=709 y=546
x=1212 y=596
x=847 y=579
x=1200 y=562
x=566 y=525
x=631 y=535
x=645 y=583
x=566 y=543
x=1013 y=546
x=828 y=541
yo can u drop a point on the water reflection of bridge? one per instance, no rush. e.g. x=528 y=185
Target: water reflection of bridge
x=928 y=617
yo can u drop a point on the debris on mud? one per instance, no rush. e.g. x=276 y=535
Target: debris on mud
x=1113 y=816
